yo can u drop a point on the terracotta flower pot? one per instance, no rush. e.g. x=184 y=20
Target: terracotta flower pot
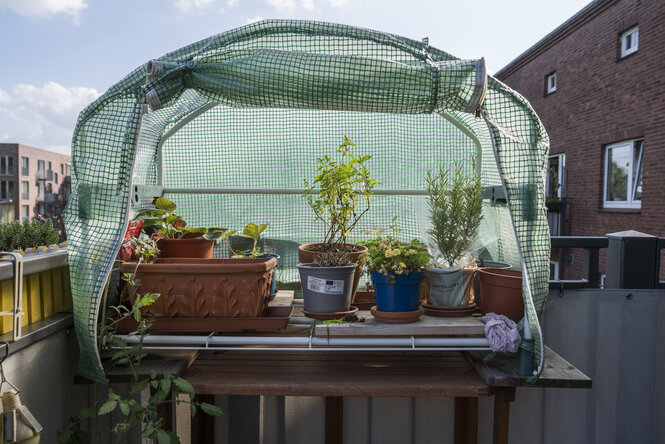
x=306 y=256
x=501 y=292
x=185 y=247
x=201 y=288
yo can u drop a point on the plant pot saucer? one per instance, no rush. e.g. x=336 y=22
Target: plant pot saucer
x=449 y=312
x=328 y=316
x=396 y=317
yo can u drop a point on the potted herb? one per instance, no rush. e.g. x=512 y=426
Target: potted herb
x=174 y=237
x=397 y=270
x=340 y=195
x=455 y=202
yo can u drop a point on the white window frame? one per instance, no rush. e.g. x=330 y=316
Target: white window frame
x=550 y=83
x=6 y=190
x=25 y=212
x=560 y=173
x=630 y=203
x=6 y=167
x=554 y=270
x=633 y=35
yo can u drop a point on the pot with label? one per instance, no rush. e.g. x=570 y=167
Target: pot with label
x=326 y=289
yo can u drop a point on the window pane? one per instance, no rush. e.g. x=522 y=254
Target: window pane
x=618 y=161
x=637 y=171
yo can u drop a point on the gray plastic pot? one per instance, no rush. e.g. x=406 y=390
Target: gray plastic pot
x=450 y=287
x=326 y=289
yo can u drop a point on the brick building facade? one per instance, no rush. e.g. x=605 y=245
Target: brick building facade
x=32 y=182
x=597 y=84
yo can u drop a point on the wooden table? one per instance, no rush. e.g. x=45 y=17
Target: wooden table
x=338 y=375
x=335 y=375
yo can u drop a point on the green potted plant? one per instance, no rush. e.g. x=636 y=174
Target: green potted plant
x=174 y=237
x=340 y=195
x=455 y=203
x=397 y=270
x=198 y=288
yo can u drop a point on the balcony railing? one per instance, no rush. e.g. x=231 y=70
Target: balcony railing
x=49 y=198
x=45 y=175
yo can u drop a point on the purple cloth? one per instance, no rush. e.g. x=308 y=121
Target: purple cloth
x=502 y=333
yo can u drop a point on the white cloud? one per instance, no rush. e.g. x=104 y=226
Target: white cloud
x=232 y=3
x=45 y=8
x=289 y=6
x=256 y=18
x=283 y=5
x=187 y=5
x=43 y=116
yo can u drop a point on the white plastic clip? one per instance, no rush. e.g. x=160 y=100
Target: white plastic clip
x=208 y=339
x=413 y=343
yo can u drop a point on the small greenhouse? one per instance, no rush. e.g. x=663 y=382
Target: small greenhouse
x=229 y=127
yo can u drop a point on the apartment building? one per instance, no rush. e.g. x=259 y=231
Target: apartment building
x=32 y=182
x=596 y=82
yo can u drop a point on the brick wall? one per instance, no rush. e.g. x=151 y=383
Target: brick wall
x=601 y=99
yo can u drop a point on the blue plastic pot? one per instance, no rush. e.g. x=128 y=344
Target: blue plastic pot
x=273 y=288
x=398 y=294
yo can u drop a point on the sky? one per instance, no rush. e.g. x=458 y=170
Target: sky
x=57 y=56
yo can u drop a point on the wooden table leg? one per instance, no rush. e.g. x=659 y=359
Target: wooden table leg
x=466 y=420
x=334 y=420
x=502 y=399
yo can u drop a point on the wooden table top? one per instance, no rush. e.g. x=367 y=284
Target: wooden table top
x=336 y=374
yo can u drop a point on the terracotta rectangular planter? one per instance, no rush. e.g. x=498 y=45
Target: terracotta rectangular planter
x=206 y=288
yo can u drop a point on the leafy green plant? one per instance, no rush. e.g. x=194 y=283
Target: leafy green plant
x=139 y=420
x=455 y=201
x=163 y=222
x=390 y=256
x=251 y=231
x=17 y=235
x=336 y=192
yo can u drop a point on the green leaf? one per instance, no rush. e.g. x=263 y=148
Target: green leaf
x=162 y=203
x=86 y=413
x=192 y=409
x=124 y=408
x=210 y=409
x=139 y=386
x=163 y=437
x=166 y=385
x=184 y=386
x=107 y=407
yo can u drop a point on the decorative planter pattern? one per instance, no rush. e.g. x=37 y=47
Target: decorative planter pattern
x=307 y=256
x=450 y=287
x=206 y=288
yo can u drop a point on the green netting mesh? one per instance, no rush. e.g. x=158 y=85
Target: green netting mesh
x=236 y=118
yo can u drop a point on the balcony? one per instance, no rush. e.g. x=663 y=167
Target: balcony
x=45 y=175
x=49 y=198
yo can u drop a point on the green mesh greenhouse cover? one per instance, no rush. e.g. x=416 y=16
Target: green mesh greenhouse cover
x=226 y=127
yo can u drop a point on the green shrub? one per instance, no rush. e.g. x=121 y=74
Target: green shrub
x=27 y=234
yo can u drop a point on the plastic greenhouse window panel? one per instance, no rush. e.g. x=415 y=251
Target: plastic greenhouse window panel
x=629 y=41
x=623 y=175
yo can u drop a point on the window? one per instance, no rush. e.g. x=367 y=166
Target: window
x=62 y=169
x=25 y=166
x=50 y=166
x=56 y=177
x=623 y=175
x=6 y=189
x=25 y=212
x=550 y=83
x=6 y=165
x=25 y=190
x=40 y=166
x=629 y=41
x=68 y=169
x=40 y=191
x=555 y=180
